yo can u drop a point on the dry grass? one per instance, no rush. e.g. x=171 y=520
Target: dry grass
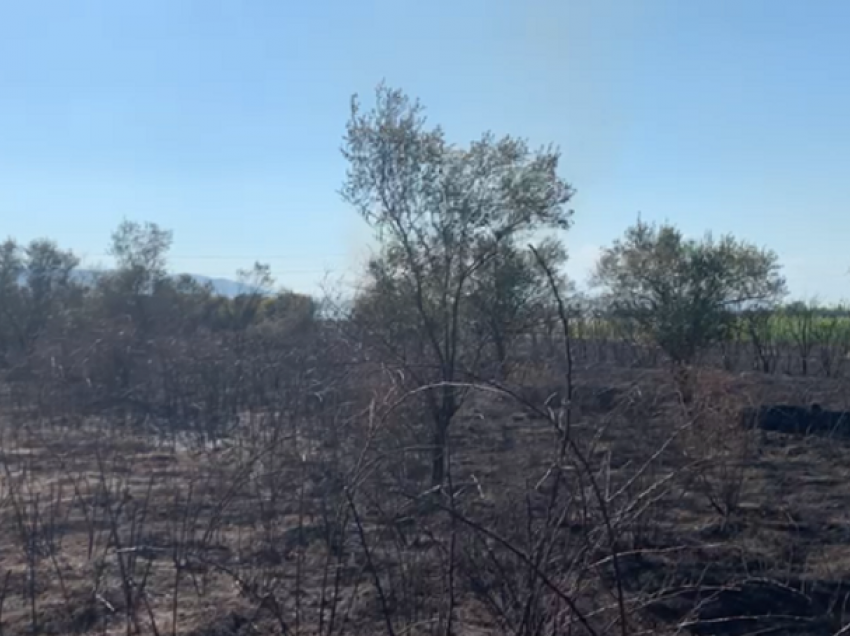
x=658 y=515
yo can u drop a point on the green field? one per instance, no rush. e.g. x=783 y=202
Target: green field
x=780 y=327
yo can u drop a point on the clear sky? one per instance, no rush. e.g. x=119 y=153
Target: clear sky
x=223 y=120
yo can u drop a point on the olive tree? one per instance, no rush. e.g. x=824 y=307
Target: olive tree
x=441 y=214
x=684 y=294
x=49 y=284
x=12 y=269
x=510 y=295
x=296 y=312
x=36 y=284
x=140 y=251
x=255 y=284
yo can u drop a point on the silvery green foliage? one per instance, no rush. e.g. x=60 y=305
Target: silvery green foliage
x=140 y=251
x=445 y=218
x=683 y=293
x=35 y=284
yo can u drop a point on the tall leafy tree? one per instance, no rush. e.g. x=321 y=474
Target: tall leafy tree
x=35 y=286
x=681 y=293
x=49 y=285
x=12 y=269
x=442 y=214
x=140 y=251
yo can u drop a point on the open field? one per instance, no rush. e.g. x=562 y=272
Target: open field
x=650 y=516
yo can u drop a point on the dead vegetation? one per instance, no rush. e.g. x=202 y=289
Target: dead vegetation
x=623 y=510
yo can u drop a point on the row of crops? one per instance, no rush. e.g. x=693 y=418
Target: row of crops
x=797 y=339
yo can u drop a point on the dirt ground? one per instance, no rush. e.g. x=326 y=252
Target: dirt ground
x=705 y=528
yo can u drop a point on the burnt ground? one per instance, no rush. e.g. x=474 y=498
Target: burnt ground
x=696 y=525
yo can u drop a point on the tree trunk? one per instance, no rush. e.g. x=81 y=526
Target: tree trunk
x=501 y=350
x=447 y=409
x=535 y=345
x=438 y=454
x=684 y=381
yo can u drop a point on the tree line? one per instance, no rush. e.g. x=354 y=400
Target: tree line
x=41 y=297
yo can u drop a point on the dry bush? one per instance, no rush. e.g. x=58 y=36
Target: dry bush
x=247 y=483
x=719 y=449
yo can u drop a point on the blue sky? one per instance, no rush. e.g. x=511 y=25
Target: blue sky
x=223 y=120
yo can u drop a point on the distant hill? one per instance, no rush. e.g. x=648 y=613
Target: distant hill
x=222 y=286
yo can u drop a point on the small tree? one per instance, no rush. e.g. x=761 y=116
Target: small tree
x=832 y=336
x=295 y=312
x=12 y=312
x=49 y=284
x=508 y=295
x=802 y=321
x=760 y=326
x=140 y=251
x=684 y=294
x=35 y=285
x=255 y=285
x=181 y=304
x=442 y=214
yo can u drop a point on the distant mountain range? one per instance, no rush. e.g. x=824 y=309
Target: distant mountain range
x=221 y=286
